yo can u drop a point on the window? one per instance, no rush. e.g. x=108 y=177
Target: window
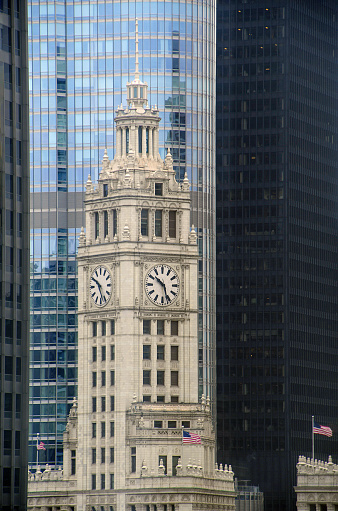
x=114 y=226
x=112 y=378
x=174 y=353
x=160 y=352
x=112 y=352
x=105 y=224
x=186 y=424
x=158 y=223
x=112 y=429
x=73 y=462
x=111 y=485
x=103 y=404
x=112 y=403
x=160 y=327
x=103 y=378
x=93 y=404
x=144 y=222
x=146 y=352
x=174 y=328
x=172 y=424
x=112 y=455
x=93 y=456
x=94 y=324
x=97 y=224
x=174 y=399
x=93 y=481
x=160 y=377
x=163 y=459
x=146 y=399
x=172 y=224
x=174 y=378
x=159 y=189
x=158 y=424
x=146 y=327
x=160 y=399
x=112 y=327
x=146 y=377
x=105 y=190
x=94 y=379
x=94 y=353
x=103 y=455
x=175 y=460
x=93 y=429
x=103 y=429
x=133 y=459
x=103 y=351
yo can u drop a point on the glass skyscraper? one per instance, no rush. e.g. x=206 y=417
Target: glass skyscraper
x=81 y=56
x=14 y=255
x=276 y=237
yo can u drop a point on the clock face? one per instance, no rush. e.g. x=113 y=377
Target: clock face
x=162 y=285
x=100 y=286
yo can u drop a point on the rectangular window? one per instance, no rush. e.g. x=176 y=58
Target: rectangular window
x=97 y=224
x=159 y=189
x=112 y=429
x=103 y=328
x=94 y=329
x=133 y=459
x=94 y=353
x=160 y=399
x=174 y=378
x=174 y=399
x=93 y=404
x=160 y=377
x=103 y=404
x=172 y=224
x=103 y=353
x=158 y=223
x=146 y=352
x=146 y=399
x=186 y=424
x=174 y=353
x=103 y=455
x=158 y=424
x=112 y=378
x=112 y=327
x=112 y=352
x=175 y=460
x=174 y=328
x=94 y=379
x=172 y=424
x=93 y=456
x=144 y=222
x=112 y=455
x=105 y=224
x=105 y=190
x=93 y=429
x=160 y=352
x=146 y=327
x=146 y=377
x=103 y=378
x=93 y=481
x=73 y=462
x=114 y=223
x=160 y=327
x=111 y=485
x=103 y=429
x=162 y=460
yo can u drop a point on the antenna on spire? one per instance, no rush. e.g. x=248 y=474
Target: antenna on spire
x=137 y=73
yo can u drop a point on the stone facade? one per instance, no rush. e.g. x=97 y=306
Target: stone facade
x=317 y=485
x=138 y=346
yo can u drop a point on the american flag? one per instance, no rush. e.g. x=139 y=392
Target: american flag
x=41 y=447
x=191 y=438
x=321 y=430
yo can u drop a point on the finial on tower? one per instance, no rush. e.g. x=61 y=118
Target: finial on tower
x=137 y=73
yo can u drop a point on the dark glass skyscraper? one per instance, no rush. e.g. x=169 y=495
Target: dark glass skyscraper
x=276 y=228
x=14 y=255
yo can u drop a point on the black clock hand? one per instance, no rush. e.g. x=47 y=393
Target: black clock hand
x=97 y=282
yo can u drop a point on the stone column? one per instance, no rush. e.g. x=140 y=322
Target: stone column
x=150 y=143
x=118 y=142
x=155 y=142
x=144 y=149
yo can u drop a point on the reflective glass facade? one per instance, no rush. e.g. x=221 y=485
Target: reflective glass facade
x=276 y=237
x=81 y=56
x=14 y=255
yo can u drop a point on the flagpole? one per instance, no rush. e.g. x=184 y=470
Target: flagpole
x=37 y=451
x=313 y=438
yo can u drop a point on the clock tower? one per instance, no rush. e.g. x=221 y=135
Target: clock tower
x=139 y=439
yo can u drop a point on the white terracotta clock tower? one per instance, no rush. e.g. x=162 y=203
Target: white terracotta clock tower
x=138 y=347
